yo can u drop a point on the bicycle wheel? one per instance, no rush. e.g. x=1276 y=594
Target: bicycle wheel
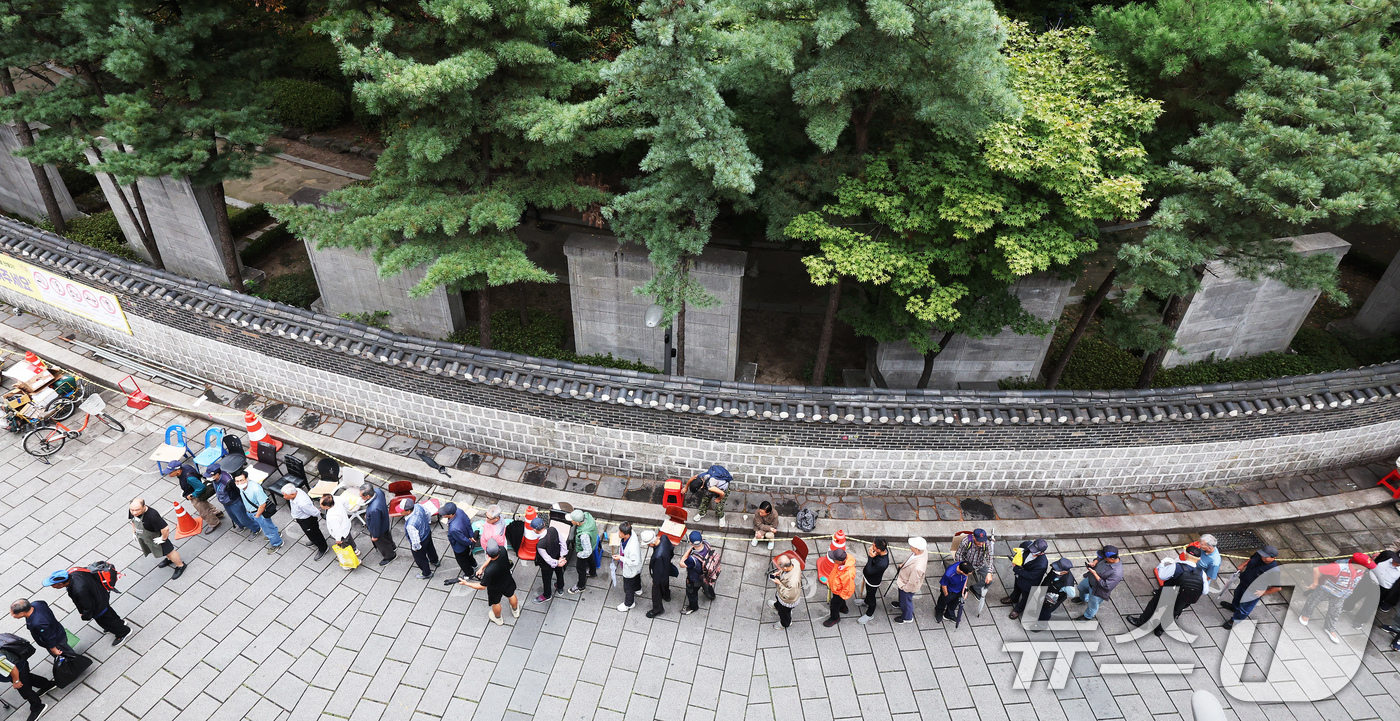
x=60 y=409
x=114 y=423
x=44 y=441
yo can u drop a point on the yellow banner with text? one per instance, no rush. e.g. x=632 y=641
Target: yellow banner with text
x=60 y=292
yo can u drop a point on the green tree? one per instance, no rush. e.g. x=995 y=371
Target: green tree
x=1311 y=141
x=485 y=120
x=936 y=232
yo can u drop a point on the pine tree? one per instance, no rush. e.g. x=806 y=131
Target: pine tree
x=486 y=120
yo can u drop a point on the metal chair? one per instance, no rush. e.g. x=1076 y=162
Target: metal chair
x=213 y=448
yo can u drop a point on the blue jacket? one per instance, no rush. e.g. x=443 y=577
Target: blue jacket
x=459 y=533
x=44 y=626
x=954 y=581
x=377 y=515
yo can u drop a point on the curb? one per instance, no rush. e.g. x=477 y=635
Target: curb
x=623 y=510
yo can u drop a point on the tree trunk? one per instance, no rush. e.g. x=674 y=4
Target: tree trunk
x=860 y=123
x=930 y=357
x=483 y=311
x=226 y=249
x=680 y=341
x=1090 y=309
x=833 y=303
x=141 y=222
x=872 y=366
x=41 y=176
x=1171 y=318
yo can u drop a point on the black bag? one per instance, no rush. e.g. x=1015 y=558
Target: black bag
x=67 y=669
x=15 y=647
x=1188 y=580
x=806 y=520
x=270 y=508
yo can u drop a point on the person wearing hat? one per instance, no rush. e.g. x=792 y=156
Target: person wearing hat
x=461 y=538
x=1101 y=576
x=418 y=529
x=911 y=578
x=1059 y=585
x=307 y=515
x=197 y=492
x=1182 y=574
x=629 y=554
x=153 y=536
x=551 y=555
x=841 y=581
x=710 y=488
x=1337 y=581
x=93 y=601
x=1260 y=576
x=585 y=544
x=1028 y=575
x=377 y=522
x=497 y=582
x=227 y=492
x=976 y=549
x=694 y=560
x=662 y=569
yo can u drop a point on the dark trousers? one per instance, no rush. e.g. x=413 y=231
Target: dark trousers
x=838 y=607
x=1048 y=609
x=692 y=593
x=551 y=577
x=1390 y=596
x=426 y=554
x=1182 y=602
x=1019 y=594
x=947 y=606
x=586 y=570
x=33 y=685
x=630 y=587
x=312 y=528
x=466 y=560
x=784 y=614
x=872 y=596
x=385 y=546
x=112 y=623
x=660 y=593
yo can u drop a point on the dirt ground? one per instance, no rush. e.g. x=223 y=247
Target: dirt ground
x=782 y=344
x=290 y=258
x=325 y=156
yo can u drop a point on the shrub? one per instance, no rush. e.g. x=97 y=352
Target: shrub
x=373 y=320
x=316 y=57
x=259 y=247
x=242 y=221
x=101 y=231
x=543 y=337
x=295 y=289
x=305 y=104
x=77 y=179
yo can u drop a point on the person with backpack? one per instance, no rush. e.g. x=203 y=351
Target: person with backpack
x=227 y=492
x=93 y=600
x=1182 y=574
x=709 y=489
x=261 y=507
x=1028 y=575
x=701 y=563
x=585 y=547
x=197 y=492
x=15 y=653
x=1334 y=583
x=662 y=568
x=149 y=526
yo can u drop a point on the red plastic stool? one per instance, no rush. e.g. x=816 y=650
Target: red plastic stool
x=1395 y=477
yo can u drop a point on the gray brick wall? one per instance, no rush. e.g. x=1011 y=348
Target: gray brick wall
x=19 y=194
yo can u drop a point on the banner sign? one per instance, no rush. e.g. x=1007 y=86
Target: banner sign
x=58 y=291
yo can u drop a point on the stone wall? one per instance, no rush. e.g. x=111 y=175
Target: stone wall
x=19 y=193
x=609 y=316
x=1380 y=314
x=1233 y=317
x=968 y=361
x=778 y=439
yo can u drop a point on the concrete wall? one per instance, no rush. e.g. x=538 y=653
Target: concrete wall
x=1233 y=317
x=609 y=317
x=182 y=222
x=19 y=194
x=1380 y=315
x=983 y=360
x=350 y=282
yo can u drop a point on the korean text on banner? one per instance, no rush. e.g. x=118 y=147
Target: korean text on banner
x=61 y=292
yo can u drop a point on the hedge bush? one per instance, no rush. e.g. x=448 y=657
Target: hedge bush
x=543 y=337
x=305 y=104
x=259 y=247
x=101 y=231
x=242 y=221
x=77 y=179
x=295 y=289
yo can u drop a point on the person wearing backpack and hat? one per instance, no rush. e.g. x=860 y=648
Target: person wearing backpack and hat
x=1101 y=576
x=1181 y=573
x=697 y=560
x=93 y=601
x=1059 y=586
x=1028 y=575
x=585 y=546
x=1337 y=581
x=14 y=663
x=710 y=489
x=197 y=492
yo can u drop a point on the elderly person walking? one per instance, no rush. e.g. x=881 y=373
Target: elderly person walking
x=153 y=536
x=308 y=516
x=911 y=578
x=418 y=528
x=788 y=579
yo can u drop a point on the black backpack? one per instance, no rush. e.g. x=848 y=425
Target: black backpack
x=806 y=520
x=103 y=571
x=15 y=647
x=1188 y=580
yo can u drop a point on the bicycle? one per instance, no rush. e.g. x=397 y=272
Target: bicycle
x=49 y=438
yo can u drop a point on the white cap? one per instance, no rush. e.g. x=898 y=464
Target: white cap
x=918 y=543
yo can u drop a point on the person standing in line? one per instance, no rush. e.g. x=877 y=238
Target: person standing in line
x=418 y=528
x=662 y=566
x=260 y=507
x=497 y=582
x=1260 y=576
x=694 y=560
x=461 y=537
x=877 y=561
x=197 y=492
x=227 y=493
x=1059 y=585
x=911 y=578
x=377 y=522
x=15 y=665
x=1386 y=575
x=149 y=526
x=1028 y=575
x=551 y=555
x=493 y=528
x=337 y=520
x=976 y=549
x=788 y=579
x=585 y=546
x=952 y=589
x=1210 y=558
x=841 y=582
x=765 y=524
x=93 y=601
x=1379 y=578
x=1101 y=576
x=308 y=516
x=1338 y=580
x=629 y=554
x=710 y=489
x=1182 y=573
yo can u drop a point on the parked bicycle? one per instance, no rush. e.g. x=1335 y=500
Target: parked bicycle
x=49 y=437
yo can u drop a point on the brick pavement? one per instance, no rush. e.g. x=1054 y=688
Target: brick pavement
x=380 y=644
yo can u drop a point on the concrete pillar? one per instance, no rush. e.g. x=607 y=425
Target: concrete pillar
x=350 y=283
x=1233 y=317
x=976 y=362
x=182 y=222
x=19 y=194
x=1380 y=314
x=610 y=318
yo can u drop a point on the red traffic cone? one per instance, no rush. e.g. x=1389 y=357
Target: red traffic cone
x=36 y=366
x=839 y=540
x=189 y=525
x=256 y=434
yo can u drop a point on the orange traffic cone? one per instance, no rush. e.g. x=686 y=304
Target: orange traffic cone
x=839 y=540
x=530 y=514
x=189 y=525
x=36 y=366
x=256 y=434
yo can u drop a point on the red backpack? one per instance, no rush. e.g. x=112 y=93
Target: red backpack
x=105 y=573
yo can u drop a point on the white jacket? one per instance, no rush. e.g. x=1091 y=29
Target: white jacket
x=338 y=521
x=632 y=557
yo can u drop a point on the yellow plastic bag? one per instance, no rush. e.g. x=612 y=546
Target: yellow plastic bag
x=1018 y=556
x=348 y=558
